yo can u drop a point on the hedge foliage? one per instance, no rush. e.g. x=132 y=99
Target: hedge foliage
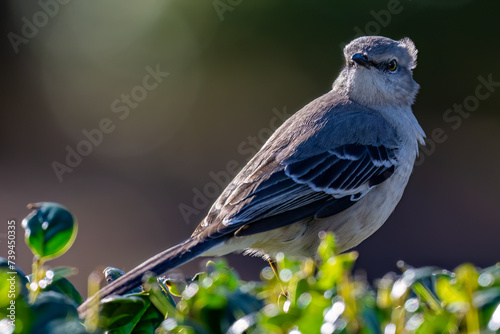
x=310 y=296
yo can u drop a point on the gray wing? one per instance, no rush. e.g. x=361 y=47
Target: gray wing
x=325 y=169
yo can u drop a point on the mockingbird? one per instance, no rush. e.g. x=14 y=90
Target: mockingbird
x=339 y=164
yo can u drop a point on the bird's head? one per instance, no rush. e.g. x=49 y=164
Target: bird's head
x=378 y=71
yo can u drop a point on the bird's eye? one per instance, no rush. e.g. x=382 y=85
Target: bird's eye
x=392 y=65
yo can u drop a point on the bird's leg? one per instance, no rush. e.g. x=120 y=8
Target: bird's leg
x=274 y=267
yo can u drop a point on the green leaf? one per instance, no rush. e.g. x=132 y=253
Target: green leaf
x=63 y=285
x=50 y=230
x=449 y=291
x=159 y=296
x=175 y=287
x=14 y=283
x=129 y=314
x=120 y=311
x=149 y=321
x=50 y=306
x=438 y=323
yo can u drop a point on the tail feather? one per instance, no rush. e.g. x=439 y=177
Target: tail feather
x=158 y=264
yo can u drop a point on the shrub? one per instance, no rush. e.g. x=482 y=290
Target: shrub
x=310 y=296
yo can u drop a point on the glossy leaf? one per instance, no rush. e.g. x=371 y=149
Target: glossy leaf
x=120 y=311
x=50 y=230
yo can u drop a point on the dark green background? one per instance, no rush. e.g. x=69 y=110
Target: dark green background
x=226 y=77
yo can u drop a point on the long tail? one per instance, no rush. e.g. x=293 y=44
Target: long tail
x=158 y=264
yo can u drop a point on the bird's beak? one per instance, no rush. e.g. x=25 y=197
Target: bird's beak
x=362 y=60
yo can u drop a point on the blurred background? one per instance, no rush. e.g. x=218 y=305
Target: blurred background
x=186 y=90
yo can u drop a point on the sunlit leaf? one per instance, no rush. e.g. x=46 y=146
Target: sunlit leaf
x=50 y=230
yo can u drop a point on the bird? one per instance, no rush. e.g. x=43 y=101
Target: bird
x=340 y=164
